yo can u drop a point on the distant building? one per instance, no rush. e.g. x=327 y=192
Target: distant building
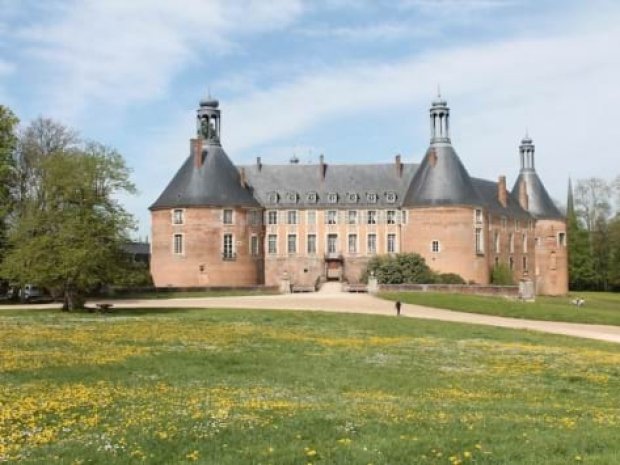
x=140 y=252
x=217 y=224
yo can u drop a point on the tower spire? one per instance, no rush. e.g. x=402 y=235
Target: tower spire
x=526 y=152
x=440 y=116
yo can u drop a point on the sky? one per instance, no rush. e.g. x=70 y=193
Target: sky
x=350 y=79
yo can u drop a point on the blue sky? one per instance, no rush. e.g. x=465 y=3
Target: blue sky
x=350 y=79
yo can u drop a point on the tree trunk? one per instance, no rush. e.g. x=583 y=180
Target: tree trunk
x=73 y=300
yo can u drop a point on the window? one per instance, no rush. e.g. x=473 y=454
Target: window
x=372 y=217
x=371 y=197
x=272 y=244
x=332 y=197
x=228 y=252
x=478 y=216
x=524 y=238
x=292 y=243
x=332 y=217
x=496 y=261
x=403 y=217
x=496 y=241
x=311 y=244
x=352 y=217
x=177 y=244
x=292 y=197
x=390 y=197
x=292 y=217
x=352 y=197
x=524 y=263
x=273 y=197
x=312 y=197
x=480 y=241
x=553 y=263
x=254 y=217
x=272 y=217
x=391 y=217
x=562 y=239
x=504 y=222
x=391 y=243
x=332 y=243
x=311 y=216
x=435 y=247
x=254 y=246
x=511 y=263
x=517 y=225
x=177 y=217
x=372 y=244
x=352 y=243
x=511 y=242
x=227 y=217
x=530 y=225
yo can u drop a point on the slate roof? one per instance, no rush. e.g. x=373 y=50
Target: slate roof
x=441 y=180
x=540 y=204
x=215 y=183
x=487 y=193
x=301 y=185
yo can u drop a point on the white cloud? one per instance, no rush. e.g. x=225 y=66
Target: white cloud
x=121 y=51
x=372 y=32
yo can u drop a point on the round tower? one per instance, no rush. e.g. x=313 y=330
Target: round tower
x=206 y=224
x=440 y=121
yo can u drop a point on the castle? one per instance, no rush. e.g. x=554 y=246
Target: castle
x=217 y=224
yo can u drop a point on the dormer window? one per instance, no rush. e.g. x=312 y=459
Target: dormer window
x=312 y=197
x=332 y=197
x=292 y=197
x=273 y=197
x=352 y=197
x=390 y=197
x=371 y=197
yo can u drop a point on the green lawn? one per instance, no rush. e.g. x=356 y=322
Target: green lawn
x=189 y=294
x=232 y=387
x=600 y=307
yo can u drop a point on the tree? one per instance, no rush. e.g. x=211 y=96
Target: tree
x=8 y=141
x=592 y=201
x=69 y=234
x=580 y=263
x=614 y=259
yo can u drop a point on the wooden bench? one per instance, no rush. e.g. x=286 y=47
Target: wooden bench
x=358 y=287
x=104 y=307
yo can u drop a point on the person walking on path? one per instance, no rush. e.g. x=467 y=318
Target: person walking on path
x=397 y=305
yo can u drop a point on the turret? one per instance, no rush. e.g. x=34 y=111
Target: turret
x=208 y=121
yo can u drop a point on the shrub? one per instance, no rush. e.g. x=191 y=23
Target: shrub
x=450 y=278
x=407 y=268
x=501 y=275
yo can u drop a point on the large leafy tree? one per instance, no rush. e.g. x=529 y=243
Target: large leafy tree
x=69 y=233
x=8 y=141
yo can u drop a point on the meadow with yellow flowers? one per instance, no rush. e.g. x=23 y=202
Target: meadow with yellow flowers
x=232 y=387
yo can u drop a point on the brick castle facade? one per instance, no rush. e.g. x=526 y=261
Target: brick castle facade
x=217 y=224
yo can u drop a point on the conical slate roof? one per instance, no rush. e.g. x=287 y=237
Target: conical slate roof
x=441 y=179
x=540 y=204
x=215 y=183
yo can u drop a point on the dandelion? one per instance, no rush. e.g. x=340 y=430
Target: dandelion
x=192 y=456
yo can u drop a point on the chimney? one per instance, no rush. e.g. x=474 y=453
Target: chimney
x=196 y=150
x=399 y=166
x=523 y=197
x=502 y=195
x=322 y=167
x=259 y=163
x=242 y=179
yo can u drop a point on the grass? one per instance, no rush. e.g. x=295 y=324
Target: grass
x=600 y=307
x=192 y=294
x=233 y=387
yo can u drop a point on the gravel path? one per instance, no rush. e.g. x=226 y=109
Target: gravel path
x=330 y=299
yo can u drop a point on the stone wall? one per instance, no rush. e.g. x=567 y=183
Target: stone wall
x=471 y=289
